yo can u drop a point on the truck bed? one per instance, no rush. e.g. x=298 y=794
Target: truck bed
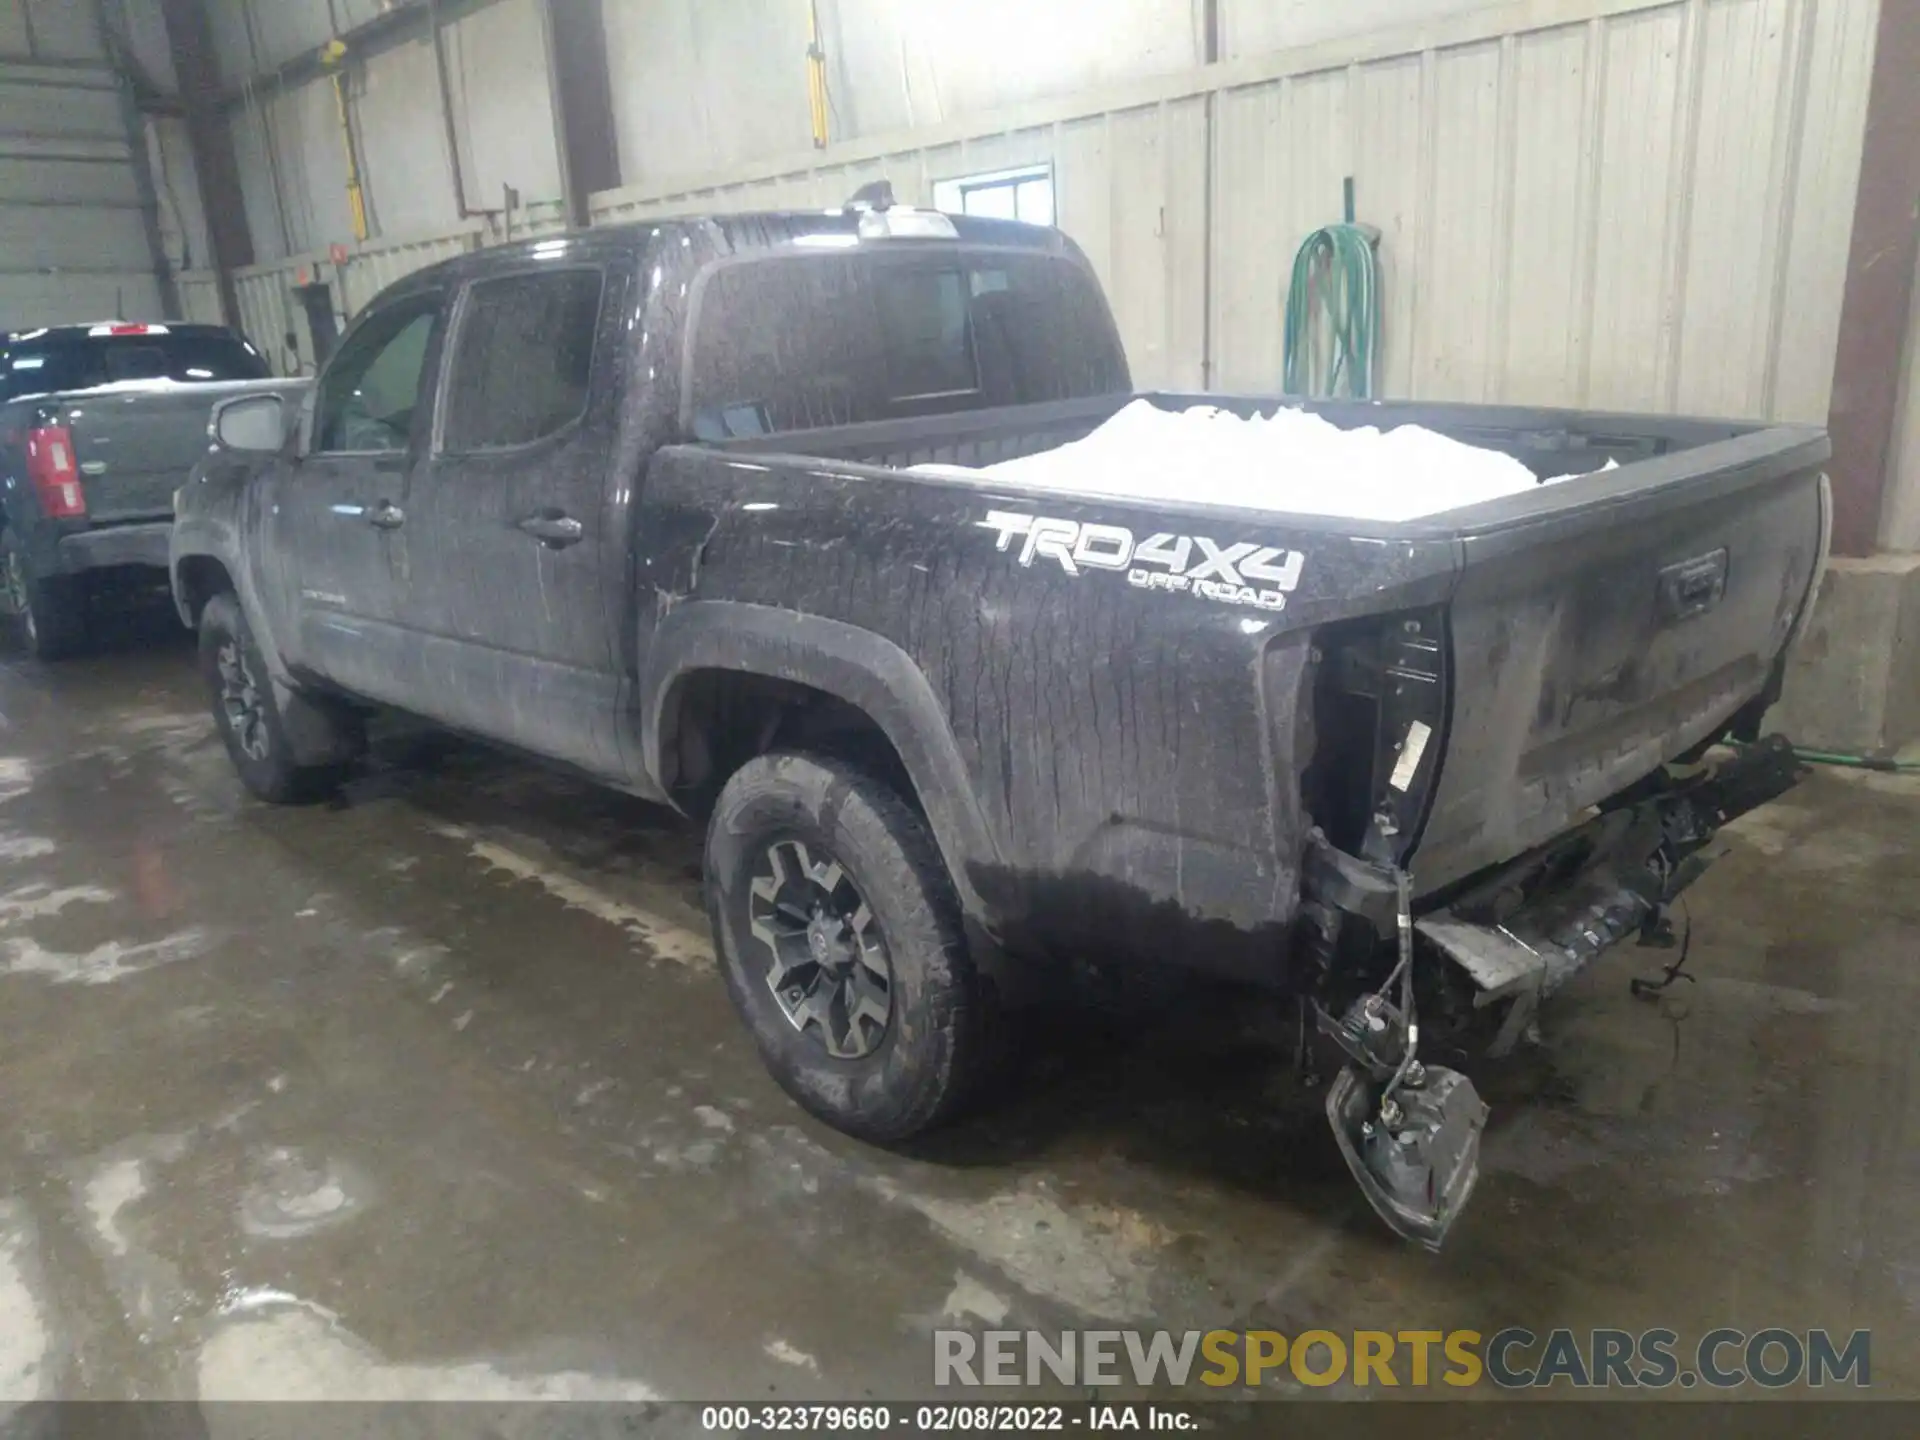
x=1595 y=629
x=1550 y=442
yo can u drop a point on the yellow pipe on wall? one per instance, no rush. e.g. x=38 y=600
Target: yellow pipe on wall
x=356 y=197
x=816 y=77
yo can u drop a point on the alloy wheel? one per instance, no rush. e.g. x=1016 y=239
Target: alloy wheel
x=829 y=970
x=241 y=701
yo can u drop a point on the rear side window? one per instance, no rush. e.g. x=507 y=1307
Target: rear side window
x=797 y=342
x=522 y=360
x=76 y=362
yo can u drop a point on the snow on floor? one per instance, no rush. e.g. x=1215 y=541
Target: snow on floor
x=1292 y=462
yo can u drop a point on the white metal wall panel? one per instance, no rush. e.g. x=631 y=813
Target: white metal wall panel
x=1393 y=157
x=65 y=29
x=1734 y=207
x=39 y=180
x=76 y=238
x=1248 y=263
x=1828 y=115
x=200 y=300
x=1637 y=204
x=267 y=314
x=1555 y=85
x=1635 y=211
x=1463 y=249
x=43 y=297
x=37 y=101
x=1610 y=214
x=73 y=238
x=1084 y=178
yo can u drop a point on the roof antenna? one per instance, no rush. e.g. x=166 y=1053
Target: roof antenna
x=120 y=302
x=874 y=195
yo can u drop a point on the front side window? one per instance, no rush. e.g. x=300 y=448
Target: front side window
x=523 y=359
x=368 y=395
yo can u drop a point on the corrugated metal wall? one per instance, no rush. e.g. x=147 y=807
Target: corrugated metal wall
x=1635 y=204
x=74 y=239
x=272 y=316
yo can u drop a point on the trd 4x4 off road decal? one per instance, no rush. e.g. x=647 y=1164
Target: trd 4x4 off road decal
x=1239 y=574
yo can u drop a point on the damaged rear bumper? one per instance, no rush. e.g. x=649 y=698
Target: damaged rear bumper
x=1525 y=931
x=1410 y=1133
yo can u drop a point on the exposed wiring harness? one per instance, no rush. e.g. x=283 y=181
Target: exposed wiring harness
x=1332 y=338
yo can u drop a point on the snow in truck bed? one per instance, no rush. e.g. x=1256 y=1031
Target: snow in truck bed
x=1291 y=462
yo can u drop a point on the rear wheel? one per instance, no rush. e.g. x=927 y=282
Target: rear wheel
x=50 y=611
x=840 y=939
x=247 y=713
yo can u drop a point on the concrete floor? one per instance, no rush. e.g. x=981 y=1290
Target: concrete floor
x=435 y=1092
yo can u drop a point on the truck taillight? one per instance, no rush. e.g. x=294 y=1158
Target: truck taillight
x=55 y=476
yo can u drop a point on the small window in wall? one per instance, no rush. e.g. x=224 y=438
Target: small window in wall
x=1025 y=194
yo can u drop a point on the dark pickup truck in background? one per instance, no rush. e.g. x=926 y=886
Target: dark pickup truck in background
x=99 y=425
x=639 y=501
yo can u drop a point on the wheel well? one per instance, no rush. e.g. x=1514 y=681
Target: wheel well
x=717 y=720
x=201 y=578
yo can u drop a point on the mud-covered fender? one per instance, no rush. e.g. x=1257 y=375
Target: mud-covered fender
x=866 y=670
x=213 y=525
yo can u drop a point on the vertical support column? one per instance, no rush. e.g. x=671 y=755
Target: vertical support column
x=197 y=67
x=127 y=82
x=581 y=93
x=1879 y=288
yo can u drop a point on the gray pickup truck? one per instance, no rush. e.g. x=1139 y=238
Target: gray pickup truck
x=99 y=425
x=646 y=501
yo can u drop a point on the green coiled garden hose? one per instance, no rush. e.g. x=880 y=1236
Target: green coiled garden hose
x=1333 y=314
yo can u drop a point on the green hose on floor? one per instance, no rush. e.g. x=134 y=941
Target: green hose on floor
x=1857 y=762
x=1849 y=762
x=1332 y=336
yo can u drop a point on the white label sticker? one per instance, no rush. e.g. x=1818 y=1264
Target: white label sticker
x=1418 y=733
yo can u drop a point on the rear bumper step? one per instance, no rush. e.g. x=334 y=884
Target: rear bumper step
x=110 y=545
x=1538 y=921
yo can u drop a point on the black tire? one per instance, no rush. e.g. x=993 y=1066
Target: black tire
x=250 y=723
x=50 y=612
x=933 y=1050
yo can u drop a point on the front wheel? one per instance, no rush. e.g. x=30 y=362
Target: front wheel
x=840 y=939
x=247 y=713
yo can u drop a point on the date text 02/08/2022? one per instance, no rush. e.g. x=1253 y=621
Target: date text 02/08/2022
x=944 y=1419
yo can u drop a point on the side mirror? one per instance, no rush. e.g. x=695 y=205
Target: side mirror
x=249 y=422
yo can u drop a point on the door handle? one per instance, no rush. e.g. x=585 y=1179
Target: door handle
x=386 y=515
x=554 y=530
